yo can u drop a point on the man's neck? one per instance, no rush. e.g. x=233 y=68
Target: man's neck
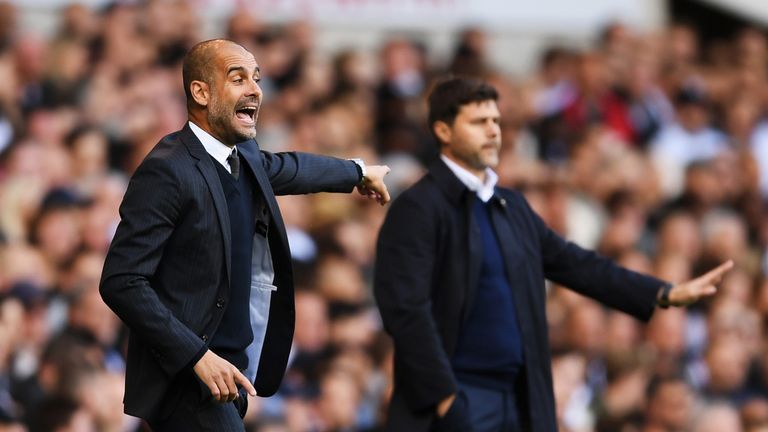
x=201 y=122
x=480 y=174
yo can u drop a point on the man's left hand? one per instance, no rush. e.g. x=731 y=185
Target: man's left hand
x=691 y=291
x=373 y=185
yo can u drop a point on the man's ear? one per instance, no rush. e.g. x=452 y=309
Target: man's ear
x=200 y=92
x=442 y=131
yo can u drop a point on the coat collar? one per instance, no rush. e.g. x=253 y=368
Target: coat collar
x=194 y=146
x=447 y=181
x=453 y=188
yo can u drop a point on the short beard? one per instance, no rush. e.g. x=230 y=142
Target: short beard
x=476 y=161
x=219 y=118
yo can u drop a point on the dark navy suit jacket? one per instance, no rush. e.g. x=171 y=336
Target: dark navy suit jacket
x=428 y=261
x=167 y=271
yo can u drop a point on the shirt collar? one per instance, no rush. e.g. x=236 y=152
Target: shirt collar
x=485 y=190
x=217 y=149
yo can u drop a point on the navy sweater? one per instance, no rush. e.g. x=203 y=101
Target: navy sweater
x=490 y=344
x=234 y=332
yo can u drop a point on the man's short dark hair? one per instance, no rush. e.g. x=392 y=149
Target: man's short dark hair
x=197 y=64
x=449 y=95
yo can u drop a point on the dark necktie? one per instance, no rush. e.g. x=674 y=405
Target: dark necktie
x=234 y=163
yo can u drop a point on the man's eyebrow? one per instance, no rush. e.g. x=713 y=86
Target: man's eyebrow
x=257 y=70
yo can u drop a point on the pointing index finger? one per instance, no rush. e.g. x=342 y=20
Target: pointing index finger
x=718 y=271
x=246 y=383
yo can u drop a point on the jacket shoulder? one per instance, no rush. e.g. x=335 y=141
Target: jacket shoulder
x=423 y=194
x=169 y=152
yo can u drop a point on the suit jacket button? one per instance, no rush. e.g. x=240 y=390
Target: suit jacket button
x=220 y=303
x=204 y=338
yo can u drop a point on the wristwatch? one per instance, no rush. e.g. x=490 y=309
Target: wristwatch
x=662 y=299
x=361 y=168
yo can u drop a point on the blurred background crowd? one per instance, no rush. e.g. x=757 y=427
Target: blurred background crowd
x=648 y=146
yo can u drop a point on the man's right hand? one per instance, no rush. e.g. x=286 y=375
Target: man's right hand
x=221 y=377
x=444 y=405
x=373 y=186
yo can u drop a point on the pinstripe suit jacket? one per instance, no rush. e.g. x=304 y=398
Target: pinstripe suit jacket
x=167 y=270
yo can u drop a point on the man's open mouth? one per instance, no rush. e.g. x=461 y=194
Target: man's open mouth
x=247 y=113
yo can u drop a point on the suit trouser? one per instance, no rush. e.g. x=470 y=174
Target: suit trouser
x=491 y=410
x=479 y=408
x=190 y=407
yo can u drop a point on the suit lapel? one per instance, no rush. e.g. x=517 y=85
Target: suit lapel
x=208 y=171
x=252 y=155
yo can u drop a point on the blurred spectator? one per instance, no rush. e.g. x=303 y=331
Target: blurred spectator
x=670 y=404
x=690 y=138
x=470 y=55
x=622 y=403
x=718 y=417
x=556 y=89
x=650 y=109
x=403 y=81
x=727 y=364
x=595 y=101
x=337 y=404
x=60 y=414
x=754 y=415
x=651 y=146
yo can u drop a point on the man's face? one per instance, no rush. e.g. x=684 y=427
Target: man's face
x=474 y=139
x=235 y=95
x=671 y=406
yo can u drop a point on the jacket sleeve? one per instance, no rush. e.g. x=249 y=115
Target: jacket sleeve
x=293 y=173
x=595 y=276
x=405 y=261
x=149 y=212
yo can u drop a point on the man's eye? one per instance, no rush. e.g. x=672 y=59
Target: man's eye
x=238 y=80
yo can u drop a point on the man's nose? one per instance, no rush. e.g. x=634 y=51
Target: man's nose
x=254 y=89
x=493 y=129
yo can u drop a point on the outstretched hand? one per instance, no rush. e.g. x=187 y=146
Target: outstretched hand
x=691 y=291
x=221 y=377
x=373 y=185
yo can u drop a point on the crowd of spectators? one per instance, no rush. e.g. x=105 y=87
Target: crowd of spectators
x=645 y=146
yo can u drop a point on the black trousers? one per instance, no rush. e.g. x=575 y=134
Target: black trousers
x=190 y=407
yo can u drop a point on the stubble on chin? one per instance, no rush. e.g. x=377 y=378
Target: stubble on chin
x=483 y=161
x=492 y=162
x=228 y=131
x=491 y=159
x=249 y=135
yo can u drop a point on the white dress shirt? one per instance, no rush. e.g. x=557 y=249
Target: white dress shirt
x=484 y=191
x=217 y=149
